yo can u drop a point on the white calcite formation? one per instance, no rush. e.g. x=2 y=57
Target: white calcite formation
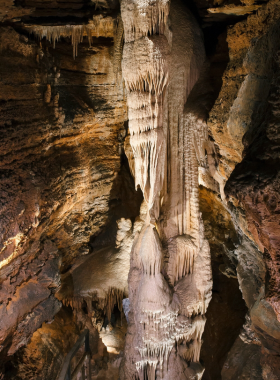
x=98 y=26
x=170 y=278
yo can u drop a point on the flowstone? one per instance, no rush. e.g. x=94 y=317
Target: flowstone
x=170 y=278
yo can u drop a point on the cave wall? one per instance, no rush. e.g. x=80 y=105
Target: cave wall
x=248 y=126
x=62 y=123
x=68 y=200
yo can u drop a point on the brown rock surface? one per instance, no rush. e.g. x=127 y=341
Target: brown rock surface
x=255 y=183
x=69 y=211
x=243 y=362
x=246 y=82
x=43 y=356
x=60 y=155
x=226 y=312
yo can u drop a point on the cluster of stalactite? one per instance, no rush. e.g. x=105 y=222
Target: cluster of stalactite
x=98 y=26
x=170 y=274
x=113 y=297
x=145 y=70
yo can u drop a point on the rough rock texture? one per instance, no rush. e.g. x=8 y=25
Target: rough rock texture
x=226 y=311
x=246 y=81
x=255 y=182
x=62 y=129
x=243 y=362
x=247 y=131
x=255 y=185
x=43 y=356
x=27 y=297
x=79 y=86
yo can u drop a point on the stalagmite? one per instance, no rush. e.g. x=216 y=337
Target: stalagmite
x=170 y=274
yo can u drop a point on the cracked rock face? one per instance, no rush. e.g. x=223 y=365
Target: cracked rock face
x=139 y=188
x=53 y=197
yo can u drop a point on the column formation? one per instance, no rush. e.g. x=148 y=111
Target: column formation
x=145 y=68
x=170 y=274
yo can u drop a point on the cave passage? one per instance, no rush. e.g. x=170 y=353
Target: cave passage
x=139 y=190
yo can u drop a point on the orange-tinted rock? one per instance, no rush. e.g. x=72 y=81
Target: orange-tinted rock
x=63 y=184
x=255 y=182
x=246 y=83
x=60 y=155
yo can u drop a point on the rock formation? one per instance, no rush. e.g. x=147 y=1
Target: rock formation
x=139 y=185
x=170 y=287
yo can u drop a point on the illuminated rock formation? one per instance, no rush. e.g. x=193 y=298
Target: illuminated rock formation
x=74 y=241
x=99 y=26
x=170 y=287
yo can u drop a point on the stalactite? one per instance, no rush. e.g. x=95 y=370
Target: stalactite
x=191 y=351
x=159 y=73
x=118 y=48
x=148 y=151
x=113 y=297
x=146 y=77
x=144 y=18
x=182 y=253
x=99 y=26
